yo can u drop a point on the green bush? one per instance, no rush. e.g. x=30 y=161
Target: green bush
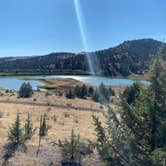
x=25 y=90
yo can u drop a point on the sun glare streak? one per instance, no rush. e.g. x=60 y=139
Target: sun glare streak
x=83 y=34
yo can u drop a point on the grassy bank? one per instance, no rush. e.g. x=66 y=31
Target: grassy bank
x=57 y=84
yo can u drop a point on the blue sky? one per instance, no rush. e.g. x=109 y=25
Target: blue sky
x=36 y=27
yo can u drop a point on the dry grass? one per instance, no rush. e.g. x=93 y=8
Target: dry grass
x=59 y=84
x=50 y=98
x=60 y=121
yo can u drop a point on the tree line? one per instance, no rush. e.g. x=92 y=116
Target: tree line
x=99 y=94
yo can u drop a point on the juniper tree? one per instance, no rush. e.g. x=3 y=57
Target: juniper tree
x=110 y=145
x=42 y=130
x=131 y=93
x=102 y=94
x=77 y=91
x=91 y=91
x=111 y=91
x=15 y=138
x=84 y=91
x=158 y=110
x=28 y=128
x=15 y=132
x=25 y=90
x=96 y=96
x=72 y=150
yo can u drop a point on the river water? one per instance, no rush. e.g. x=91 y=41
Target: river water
x=14 y=82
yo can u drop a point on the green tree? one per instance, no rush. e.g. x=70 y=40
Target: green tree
x=81 y=91
x=28 y=128
x=91 y=91
x=84 y=91
x=15 y=132
x=43 y=129
x=102 y=94
x=25 y=90
x=77 y=91
x=158 y=109
x=72 y=150
x=139 y=136
x=110 y=145
x=111 y=91
x=15 y=138
x=131 y=93
x=70 y=94
x=96 y=96
x=146 y=115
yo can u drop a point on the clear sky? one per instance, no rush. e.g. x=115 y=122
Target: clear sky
x=36 y=27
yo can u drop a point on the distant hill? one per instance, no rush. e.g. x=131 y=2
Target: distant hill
x=130 y=57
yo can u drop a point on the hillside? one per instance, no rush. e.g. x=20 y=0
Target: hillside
x=130 y=57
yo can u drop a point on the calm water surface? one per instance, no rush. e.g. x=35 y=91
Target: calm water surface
x=14 y=82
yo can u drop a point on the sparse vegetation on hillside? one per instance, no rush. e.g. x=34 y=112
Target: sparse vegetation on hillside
x=130 y=57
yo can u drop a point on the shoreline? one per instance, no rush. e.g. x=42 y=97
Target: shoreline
x=55 y=83
x=68 y=73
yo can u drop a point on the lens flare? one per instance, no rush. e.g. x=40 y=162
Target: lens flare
x=82 y=26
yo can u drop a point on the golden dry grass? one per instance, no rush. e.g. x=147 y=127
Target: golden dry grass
x=60 y=122
x=59 y=84
x=50 y=98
